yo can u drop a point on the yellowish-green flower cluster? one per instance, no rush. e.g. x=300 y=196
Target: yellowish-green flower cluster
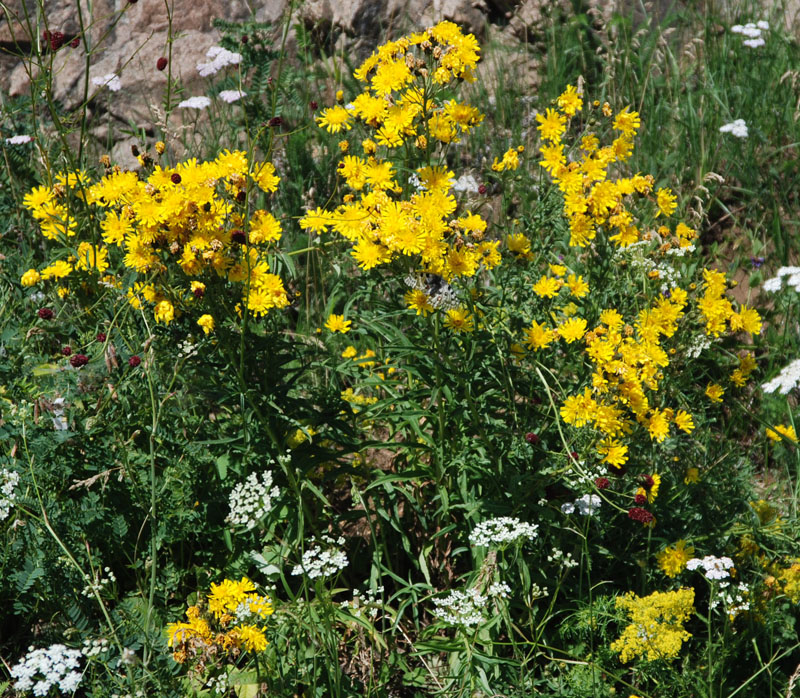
x=656 y=629
x=390 y=215
x=191 y=218
x=230 y=624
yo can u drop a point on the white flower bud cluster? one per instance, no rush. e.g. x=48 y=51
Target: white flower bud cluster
x=367 y=604
x=559 y=557
x=91 y=648
x=586 y=505
x=319 y=562
x=713 y=567
x=42 y=669
x=220 y=58
x=9 y=479
x=735 y=598
x=502 y=531
x=250 y=501
x=736 y=128
x=99 y=583
x=465 y=608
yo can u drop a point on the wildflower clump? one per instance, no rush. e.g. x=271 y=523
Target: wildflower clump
x=656 y=630
x=401 y=205
x=171 y=238
x=230 y=621
x=672 y=559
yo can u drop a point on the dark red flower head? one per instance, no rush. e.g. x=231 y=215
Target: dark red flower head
x=313 y=105
x=647 y=481
x=101 y=337
x=161 y=63
x=238 y=236
x=482 y=190
x=602 y=483
x=56 y=40
x=640 y=515
x=46 y=314
x=78 y=360
x=274 y=121
x=640 y=499
x=199 y=292
x=532 y=438
x=75 y=42
x=67 y=350
x=134 y=361
x=573 y=455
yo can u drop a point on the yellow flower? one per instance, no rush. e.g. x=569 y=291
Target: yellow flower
x=459 y=320
x=551 y=125
x=539 y=336
x=714 y=392
x=569 y=101
x=658 y=425
x=572 y=330
x=164 y=312
x=683 y=420
x=207 y=323
x=782 y=430
x=335 y=119
x=418 y=300
x=518 y=244
x=692 y=476
x=672 y=559
x=547 y=287
x=337 y=323
x=577 y=286
x=613 y=452
x=31 y=278
x=666 y=201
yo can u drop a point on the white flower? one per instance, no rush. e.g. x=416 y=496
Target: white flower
x=317 y=562
x=110 y=80
x=200 y=102
x=466 y=607
x=588 y=504
x=754 y=43
x=501 y=530
x=737 y=128
x=568 y=508
x=763 y=24
x=467 y=183
x=715 y=568
x=750 y=30
x=251 y=500
x=19 y=140
x=231 y=96
x=9 y=480
x=220 y=58
x=786 y=380
x=56 y=665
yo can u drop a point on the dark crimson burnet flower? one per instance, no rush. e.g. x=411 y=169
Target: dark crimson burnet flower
x=101 y=337
x=238 y=236
x=67 y=350
x=640 y=499
x=161 y=63
x=482 y=190
x=75 y=42
x=55 y=39
x=573 y=455
x=46 y=314
x=532 y=438
x=274 y=121
x=134 y=361
x=602 y=483
x=78 y=360
x=313 y=105
x=640 y=515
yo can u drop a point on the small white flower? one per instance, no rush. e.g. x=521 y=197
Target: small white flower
x=588 y=504
x=763 y=24
x=736 y=128
x=9 y=480
x=231 y=96
x=568 y=508
x=754 y=43
x=786 y=380
x=319 y=562
x=19 y=140
x=251 y=500
x=199 y=102
x=110 y=80
x=715 y=568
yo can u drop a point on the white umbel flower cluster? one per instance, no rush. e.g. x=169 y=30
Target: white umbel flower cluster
x=250 y=501
x=501 y=531
x=735 y=598
x=9 y=480
x=322 y=562
x=199 y=102
x=585 y=506
x=713 y=567
x=41 y=669
x=110 y=80
x=19 y=140
x=231 y=96
x=786 y=380
x=465 y=608
x=736 y=128
x=792 y=275
x=753 y=33
x=220 y=58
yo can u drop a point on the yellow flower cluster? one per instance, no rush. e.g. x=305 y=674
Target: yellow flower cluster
x=224 y=630
x=395 y=212
x=782 y=431
x=656 y=629
x=191 y=218
x=592 y=199
x=717 y=310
